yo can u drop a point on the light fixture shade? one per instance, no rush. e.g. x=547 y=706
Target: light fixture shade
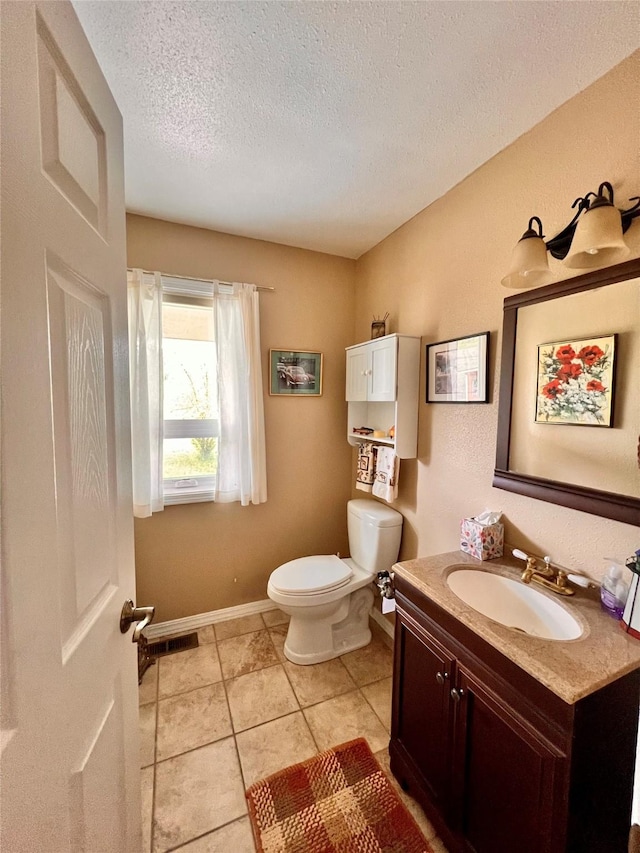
x=598 y=240
x=529 y=264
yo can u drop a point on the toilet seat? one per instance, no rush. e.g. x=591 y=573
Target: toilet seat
x=311 y=575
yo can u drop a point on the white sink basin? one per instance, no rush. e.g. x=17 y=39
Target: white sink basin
x=514 y=604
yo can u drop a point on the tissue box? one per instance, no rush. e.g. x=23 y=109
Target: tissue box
x=482 y=541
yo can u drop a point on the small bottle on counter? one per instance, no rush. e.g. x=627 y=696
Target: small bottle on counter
x=614 y=589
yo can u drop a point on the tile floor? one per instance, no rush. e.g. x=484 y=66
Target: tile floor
x=217 y=718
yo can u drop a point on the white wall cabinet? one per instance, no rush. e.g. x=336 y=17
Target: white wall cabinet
x=382 y=391
x=371 y=370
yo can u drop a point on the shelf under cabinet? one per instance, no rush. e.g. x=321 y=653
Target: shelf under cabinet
x=359 y=439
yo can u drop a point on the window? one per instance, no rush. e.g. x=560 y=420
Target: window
x=197 y=416
x=191 y=429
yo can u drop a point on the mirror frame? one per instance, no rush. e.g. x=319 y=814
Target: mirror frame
x=623 y=508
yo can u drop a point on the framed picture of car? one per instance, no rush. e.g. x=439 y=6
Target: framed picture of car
x=295 y=372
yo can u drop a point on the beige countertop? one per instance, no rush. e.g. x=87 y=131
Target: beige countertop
x=572 y=669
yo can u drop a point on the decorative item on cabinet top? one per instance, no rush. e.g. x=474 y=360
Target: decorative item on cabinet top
x=379 y=326
x=382 y=393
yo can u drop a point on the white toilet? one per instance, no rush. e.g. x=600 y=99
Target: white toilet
x=329 y=598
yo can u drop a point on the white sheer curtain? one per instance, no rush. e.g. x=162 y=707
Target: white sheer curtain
x=242 y=472
x=146 y=380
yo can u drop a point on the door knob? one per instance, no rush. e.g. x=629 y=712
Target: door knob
x=457 y=693
x=142 y=616
x=441 y=677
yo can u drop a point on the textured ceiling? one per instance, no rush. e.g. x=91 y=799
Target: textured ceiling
x=327 y=125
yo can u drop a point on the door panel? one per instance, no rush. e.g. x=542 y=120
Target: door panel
x=500 y=810
x=69 y=721
x=423 y=718
x=383 y=360
x=357 y=377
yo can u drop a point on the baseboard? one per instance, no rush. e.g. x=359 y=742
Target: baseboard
x=379 y=619
x=199 y=620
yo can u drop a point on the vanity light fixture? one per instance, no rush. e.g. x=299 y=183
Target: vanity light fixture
x=593 y=238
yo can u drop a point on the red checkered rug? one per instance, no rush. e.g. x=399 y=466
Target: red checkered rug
x=340 y=801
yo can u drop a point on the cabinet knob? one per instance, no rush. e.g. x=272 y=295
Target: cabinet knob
x=457 y=693
x=441 y=677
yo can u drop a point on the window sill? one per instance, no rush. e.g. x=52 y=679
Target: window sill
x=194 y=491
x=183 y=497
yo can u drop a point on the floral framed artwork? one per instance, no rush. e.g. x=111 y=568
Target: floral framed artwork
x=458 y=370
x=295 y=373
x=576 y=382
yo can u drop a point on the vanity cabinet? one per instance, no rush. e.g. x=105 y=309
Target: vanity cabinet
x=498 y=761
x=382 y=379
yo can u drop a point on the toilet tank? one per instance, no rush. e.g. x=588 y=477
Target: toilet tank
x=375 y=531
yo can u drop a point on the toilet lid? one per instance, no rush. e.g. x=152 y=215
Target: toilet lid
x=308 y=575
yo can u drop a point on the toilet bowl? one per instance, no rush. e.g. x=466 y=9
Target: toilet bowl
x=329 y=598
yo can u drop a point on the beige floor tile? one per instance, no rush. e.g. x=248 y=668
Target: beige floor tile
x=147 y=724
x=379 y=634
x=148 y=690
x=260 y=696
x=378 y=695
x=319 y=681
x=370 y=663
x=146 y=793
x=236 y=627
x=278 y=636
x=274 y=746
x=188 y=670
x=412 y=806
x=196 y=793
x=206 y=635
x=275 y=617
x=345 y=718
x=192 y=719
x=236 y=837
x=239 y=655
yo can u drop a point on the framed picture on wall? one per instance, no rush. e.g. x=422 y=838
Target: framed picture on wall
x=295 y=373
x=575 y=382
x=458 y=370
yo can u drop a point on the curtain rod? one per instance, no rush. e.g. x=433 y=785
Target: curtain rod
x=204 y=280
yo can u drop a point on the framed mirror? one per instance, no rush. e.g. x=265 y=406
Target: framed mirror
x=569 y=411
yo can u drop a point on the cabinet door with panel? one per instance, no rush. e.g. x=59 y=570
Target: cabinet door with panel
x=504 y=774
x=357 y=374
x=423 y=675
x=383 y=356
x=372 y=371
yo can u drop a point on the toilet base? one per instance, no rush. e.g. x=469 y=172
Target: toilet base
x=345 y=629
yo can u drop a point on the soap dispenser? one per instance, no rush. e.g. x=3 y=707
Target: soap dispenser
x=614 y=589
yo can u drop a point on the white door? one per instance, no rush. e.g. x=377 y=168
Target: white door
x=70 y=779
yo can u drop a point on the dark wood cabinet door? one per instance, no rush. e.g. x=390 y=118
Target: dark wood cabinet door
x=506 y=776
x=421 y=710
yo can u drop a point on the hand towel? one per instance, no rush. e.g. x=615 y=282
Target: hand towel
x=387 y=470
x=365 y=473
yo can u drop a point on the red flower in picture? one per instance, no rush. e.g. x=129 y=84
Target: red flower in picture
x=569 y=371
x=565 y=353
x=595 y=385
x=589 y=355
x=552 y=389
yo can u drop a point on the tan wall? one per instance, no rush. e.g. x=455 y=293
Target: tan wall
x=439 y=277
x=200 y=557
